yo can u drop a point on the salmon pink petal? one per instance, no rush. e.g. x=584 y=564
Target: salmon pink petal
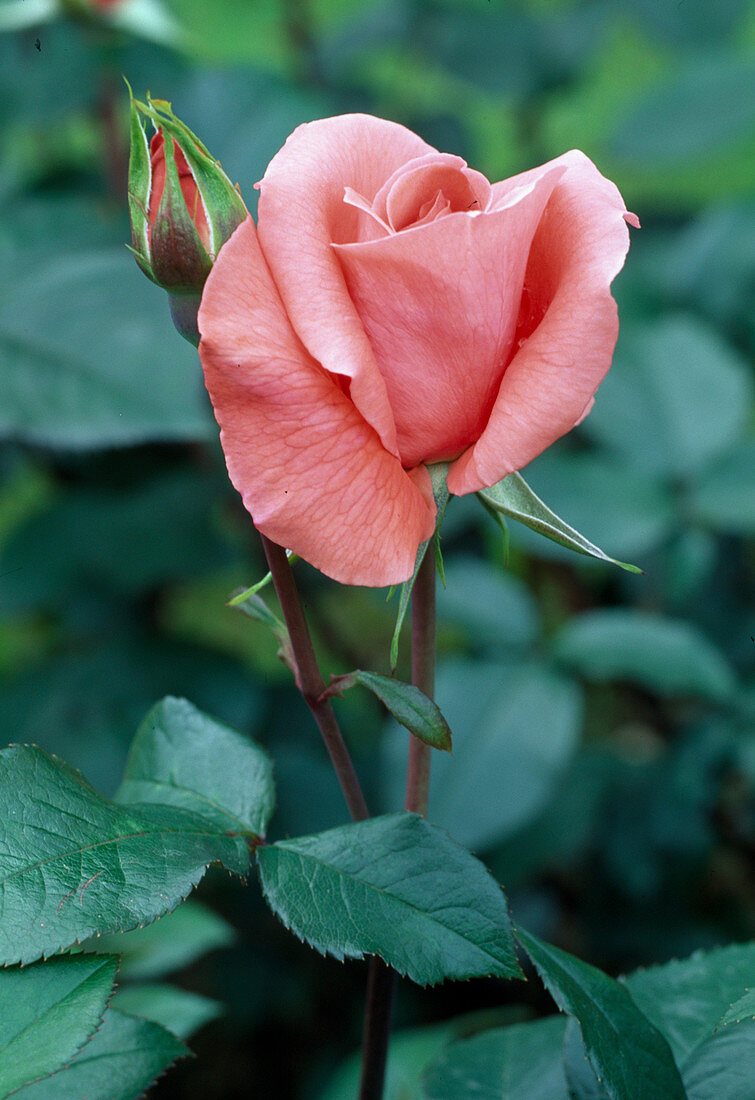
x=567 y=325
x=439 y=303
x=301 y=212
x=312 y=473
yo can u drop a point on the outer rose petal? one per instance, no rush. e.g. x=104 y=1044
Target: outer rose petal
x=567 y=328
x=439 y=303
x=312 y=473
x=302 y=212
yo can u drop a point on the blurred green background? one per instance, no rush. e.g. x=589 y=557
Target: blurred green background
x=604 y=758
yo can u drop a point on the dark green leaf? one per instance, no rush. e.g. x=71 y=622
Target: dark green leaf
x=519 y=1062
x=495 y=607
x=515 y=726
x=73 y=864
x=408 y=705
x=47 y=1013
x=408 y=1054
x=170 y=943
x=667 y=656
x=179 y=1011
x=580 y=1076
x=393 y=886
x=687 y=998
x=632 y=1059
x=119 y=1062
x=182 y=757
x=513 y=498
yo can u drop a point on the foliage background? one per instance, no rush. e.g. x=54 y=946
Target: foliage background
x=604 y=759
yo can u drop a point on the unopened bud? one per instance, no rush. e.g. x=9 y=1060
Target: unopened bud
x=183 y=209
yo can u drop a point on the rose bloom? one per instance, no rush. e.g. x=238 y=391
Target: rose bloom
x=393 y=309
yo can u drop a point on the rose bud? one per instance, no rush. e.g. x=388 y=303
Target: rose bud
x=394 y=309
x=183 y=209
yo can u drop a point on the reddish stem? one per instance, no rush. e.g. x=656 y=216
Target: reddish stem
x=309 y=678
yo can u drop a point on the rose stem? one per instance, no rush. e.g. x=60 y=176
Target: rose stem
x=382 y=980
x=310 y=679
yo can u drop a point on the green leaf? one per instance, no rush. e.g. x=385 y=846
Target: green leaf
x=170 y=943
x=632 y=1059
x=120 y=1061
x=181 y=1012
x=686 y=999
x=182 y=757
x=580 y=1076
x=519 y=1062
x=393 y=886
x=408 y=705
x=73 y=864
x=723 y=1066
x=512 y=497
x=668 y=380
x=47 y=1013
x=723 y=497
x=74 y=377
x=408 y=1054
x=495 y=607
x=515 y=727
x=741 y=1010
x=667 y=656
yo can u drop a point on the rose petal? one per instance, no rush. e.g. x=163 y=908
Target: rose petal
x=567 y=326
x=440 y=304
x=301 y=212
x=312 y=473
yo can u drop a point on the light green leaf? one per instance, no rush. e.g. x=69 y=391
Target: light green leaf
x=723 y=498
x=109 y=372
x=519 y=1062
x=169 y=943
x=667 y=656
x=181 y=1012
x=182 y=757
x=397 y=887
x=723 y=1066
x=408 y=705
x=47 y=1013
x=73 y=864
x=741 y=1010
x=687 y=998
x=668 y=381
x=632 y=1059
x=119 y=1062
x=513 y=498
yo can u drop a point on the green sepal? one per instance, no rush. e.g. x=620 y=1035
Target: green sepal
x=438 y=472
x=512 y=497
x=178 y=257
x=139 y=175
x=222 y=201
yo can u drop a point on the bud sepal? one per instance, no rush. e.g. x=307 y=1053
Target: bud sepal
x=183 y=206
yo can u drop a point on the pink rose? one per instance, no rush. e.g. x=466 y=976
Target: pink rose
x=395 y=309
